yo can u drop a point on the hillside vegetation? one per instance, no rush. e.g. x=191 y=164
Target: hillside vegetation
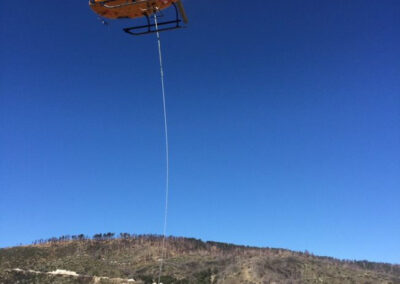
x=135 y=259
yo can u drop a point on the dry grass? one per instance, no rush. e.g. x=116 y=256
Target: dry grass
x=189 y=261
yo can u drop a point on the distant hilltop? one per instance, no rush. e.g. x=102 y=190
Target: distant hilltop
x=105 y=258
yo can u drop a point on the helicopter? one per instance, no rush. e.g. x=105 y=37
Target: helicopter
x=134 y=9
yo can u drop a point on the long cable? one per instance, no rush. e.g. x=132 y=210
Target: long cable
x=166 y=151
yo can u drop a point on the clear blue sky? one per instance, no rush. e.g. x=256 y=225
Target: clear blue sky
x=284 y=125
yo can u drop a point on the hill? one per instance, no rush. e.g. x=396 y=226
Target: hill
x=135 y=259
